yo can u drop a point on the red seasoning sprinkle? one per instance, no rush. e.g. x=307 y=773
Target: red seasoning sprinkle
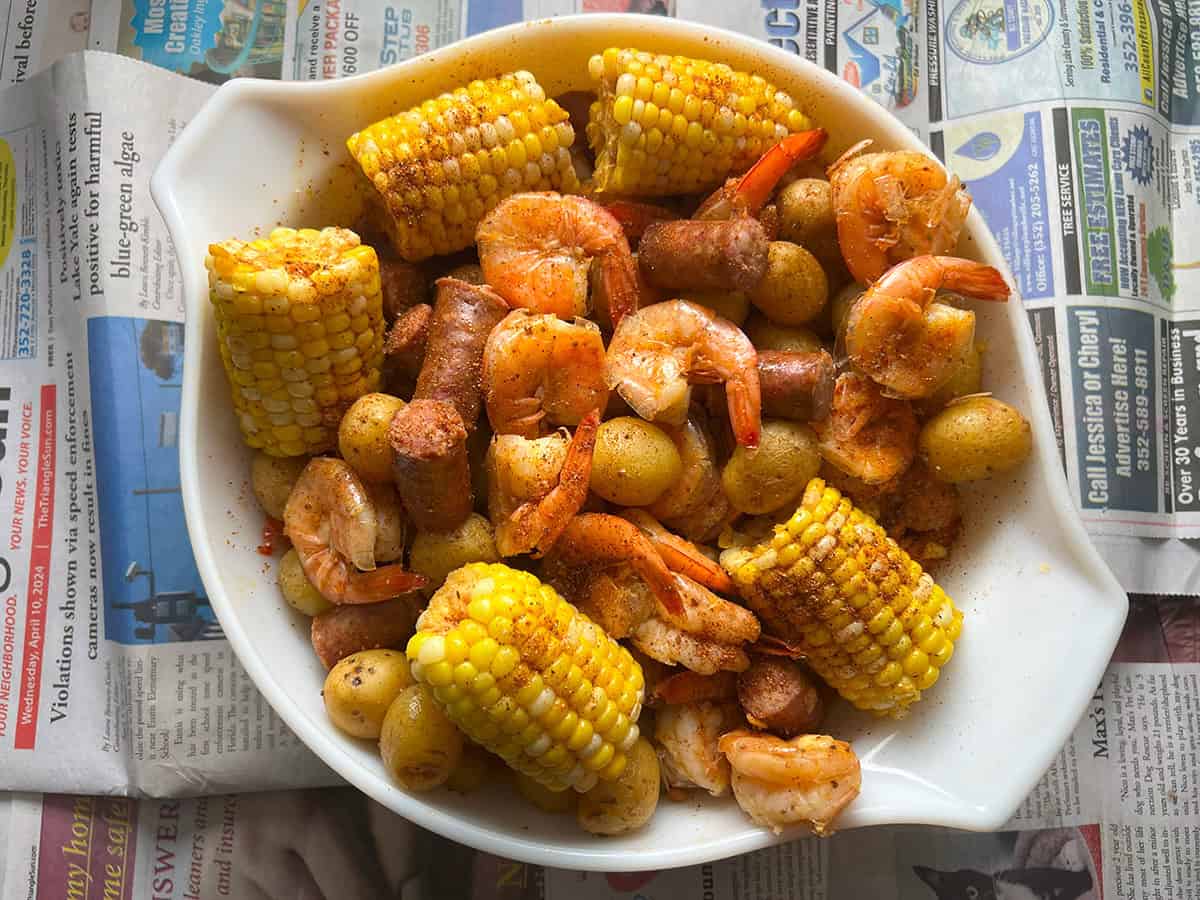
x=272 y=529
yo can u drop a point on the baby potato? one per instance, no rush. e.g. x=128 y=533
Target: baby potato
x=967 y=379
x=767 y=335
x=626 y=803
x=634 y=462
x=806 y=211
x=793 y=290
x=975 y=438
x=363 y=436
x=542 y=797
x=770 y=476
x=272 y=479
x=841 y=303
x=297 y=590
x=436 y=554
x=734 y=305
x=360 y=689
x=420 y=746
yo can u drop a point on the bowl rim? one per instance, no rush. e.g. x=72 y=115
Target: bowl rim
x=169 y=173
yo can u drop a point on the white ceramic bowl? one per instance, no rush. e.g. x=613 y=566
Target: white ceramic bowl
x=1042 y=611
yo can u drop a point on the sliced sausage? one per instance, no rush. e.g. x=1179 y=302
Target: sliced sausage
x=778 y=695
x=402 y=284
x=430 y=464
x=704 y=255
x=796 y=386
x=463 y=317
x=343 y=630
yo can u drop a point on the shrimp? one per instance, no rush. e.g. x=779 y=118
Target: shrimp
x=679 y=554
x=332 y=522
x=893 y=206
x=904 y=340
x=601 y=539
x=535 y=250
x=689 y=687
x=536 y=524
x=636 y=217
x=659 y=352
x=809 y=779
x=867 y=435
x=688 y=737
x=695 y=506
x=748 y=194
x=538 y=369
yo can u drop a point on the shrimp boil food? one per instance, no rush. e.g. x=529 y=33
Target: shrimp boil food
x=562 y=500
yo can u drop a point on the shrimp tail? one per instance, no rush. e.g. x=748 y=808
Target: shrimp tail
x=744 y=400
x=635 y=218
x=973 y=279
x=599 y=538
x=381 y=584
x=756 y=185
x=679 y=554
x=620 y=279
x=689 y=687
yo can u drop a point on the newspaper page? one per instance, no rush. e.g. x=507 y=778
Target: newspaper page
x=114 y=674
x=1116 y=816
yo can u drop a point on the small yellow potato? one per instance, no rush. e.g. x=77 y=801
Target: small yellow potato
x=297 y=590
x=634 y=462
x=272 y=479
x=768 y=477
x=794 y=289
x=767 y=335
x=436 y=554
x=806 y=211
x=361 y=688
x=734 y=305
x=420 y=746
x=473 y=769
x=975 y=438
x=363 y=436
x=626 y=803
x=967 y=379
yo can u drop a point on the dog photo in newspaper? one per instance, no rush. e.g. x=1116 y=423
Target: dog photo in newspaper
x=1051 y=864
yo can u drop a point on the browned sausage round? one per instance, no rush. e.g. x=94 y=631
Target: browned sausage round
x=343 y=630
x=796 y=386
x=430 y=464
x=402 y=284
x=778 y=695
x=704 y=255
x=463 y=317
x=404 y=346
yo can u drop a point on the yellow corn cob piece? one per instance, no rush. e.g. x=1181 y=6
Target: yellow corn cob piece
x=441 y=166
x=300 y=325
x=835 y=587
x=524 y=673
x=674 y=125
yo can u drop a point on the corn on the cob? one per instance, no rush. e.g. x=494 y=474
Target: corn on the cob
x=528 y=676
x=833 y=585
x=300 y=327
x=674 y=125
x=441 y=166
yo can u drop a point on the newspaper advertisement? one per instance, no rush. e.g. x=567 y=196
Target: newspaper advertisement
x=114 y=677
x=1117 y=815
x=114 y=674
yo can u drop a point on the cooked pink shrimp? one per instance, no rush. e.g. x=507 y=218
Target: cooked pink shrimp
x=332 y=522
x=749 y=193
x=893 y=206
x=680 y=555
x=694 y=506
x=535 y=525
x=659 y=352
x=688 y=737
x=539 y=370
x=535 y=250
x=808 y=780
x=904 y=340
x=867 y=435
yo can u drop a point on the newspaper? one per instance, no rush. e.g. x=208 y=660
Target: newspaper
x=1116 y=816
x=1077 y=130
